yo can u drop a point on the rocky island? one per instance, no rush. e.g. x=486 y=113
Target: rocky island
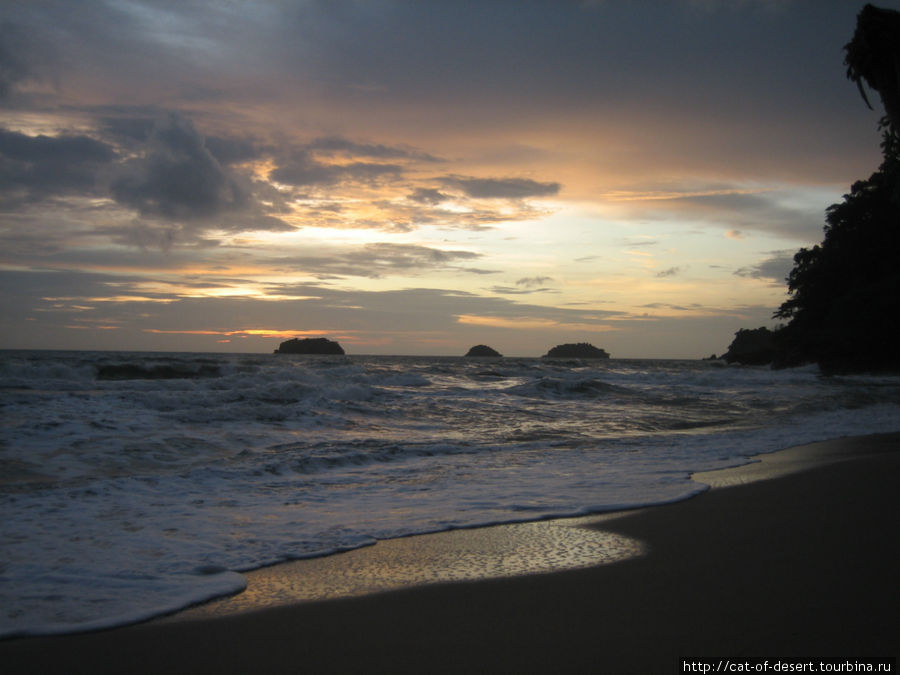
x=309 y=346
x=483 y=350
x=582 y=350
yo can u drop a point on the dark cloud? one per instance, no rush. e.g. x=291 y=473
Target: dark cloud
x=63 y=149
x=324 y=161
x=640 y=243
x=531 y=54
x=693 y=307
x=51 y=165
x=408 y=255
x=166 y=235
x=428 y=196
x=671 y=272
x=518 y=290
x=144 y=235
x=177 y=177
x=774 y=268
x=129 y=127
x=502 y=188
x=13 y=68
x=22 y=245
x=181 y=189
x=525 y=286
x=367 y=172
x=234 y=150
x=302 y=168
x=132 y=126
x=375 y=261
x=757 y=211
x=338 y=145
x=27 y=57
x=531 y=282
x=476 y=270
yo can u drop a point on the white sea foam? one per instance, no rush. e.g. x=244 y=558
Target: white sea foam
x=135 y=484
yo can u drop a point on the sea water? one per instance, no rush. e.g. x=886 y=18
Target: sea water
x=135 y=484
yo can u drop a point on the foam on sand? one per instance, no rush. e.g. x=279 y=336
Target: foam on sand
x=458 y=555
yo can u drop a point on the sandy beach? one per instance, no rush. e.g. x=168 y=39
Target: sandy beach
x=792 y=556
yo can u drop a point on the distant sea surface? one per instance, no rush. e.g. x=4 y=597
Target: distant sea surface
x=135 y=484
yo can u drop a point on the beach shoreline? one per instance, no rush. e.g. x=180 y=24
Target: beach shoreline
x=793 y=555
x=493 y=551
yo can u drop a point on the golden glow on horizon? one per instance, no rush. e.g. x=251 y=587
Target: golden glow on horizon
x=256 y=332
x=247 y=291
x=112 y=298
x=654 y=195
x=94 y=327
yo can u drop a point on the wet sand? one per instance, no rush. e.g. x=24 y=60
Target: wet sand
x=793 y=556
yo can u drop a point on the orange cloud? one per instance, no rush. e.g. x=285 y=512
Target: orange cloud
x=258 y=332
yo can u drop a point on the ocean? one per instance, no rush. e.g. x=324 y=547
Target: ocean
x=136 y=484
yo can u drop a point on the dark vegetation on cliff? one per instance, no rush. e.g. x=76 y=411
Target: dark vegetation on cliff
x=309 y=346
x=844 y=294
x=754 y=347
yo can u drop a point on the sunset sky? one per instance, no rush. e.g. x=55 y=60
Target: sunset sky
x=416 y=177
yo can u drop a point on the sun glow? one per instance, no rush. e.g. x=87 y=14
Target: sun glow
x=245 y=332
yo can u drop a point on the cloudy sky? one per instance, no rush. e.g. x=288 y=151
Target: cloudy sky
x=418 y=176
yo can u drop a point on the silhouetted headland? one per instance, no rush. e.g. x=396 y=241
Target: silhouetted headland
x=843 y=306
x=483 y=350
x=581 y=350
x=309 y=346
x=755 y=347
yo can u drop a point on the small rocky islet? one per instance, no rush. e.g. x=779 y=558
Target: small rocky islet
x=483 y=351
x=309 y=346
x=580 y=350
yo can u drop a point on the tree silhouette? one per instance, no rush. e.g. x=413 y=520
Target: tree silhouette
x=872 y=55
x=844 y=299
